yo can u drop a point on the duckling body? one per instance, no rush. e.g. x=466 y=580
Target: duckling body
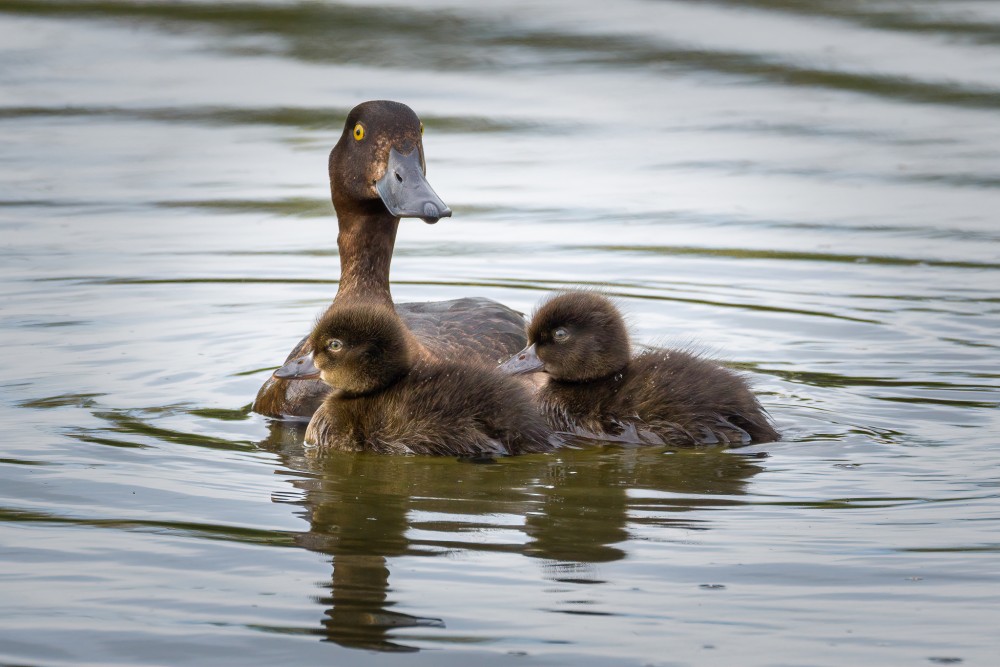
x=389 y=399
x=472 y=328
x=377 y=177
x=596 y=388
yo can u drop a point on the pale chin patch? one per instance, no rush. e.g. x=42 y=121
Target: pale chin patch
x=327 y=380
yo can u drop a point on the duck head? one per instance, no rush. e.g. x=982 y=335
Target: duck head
x=358 y=349
x=574 y=337
x=378 y=163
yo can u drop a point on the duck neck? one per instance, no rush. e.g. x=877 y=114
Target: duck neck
x=606 y=384
x=365 y=243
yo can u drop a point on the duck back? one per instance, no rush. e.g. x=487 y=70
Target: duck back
x=461 y=329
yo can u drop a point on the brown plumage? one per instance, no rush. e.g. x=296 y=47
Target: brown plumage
x=474 y=328
x=597 y=388
x=390 y=399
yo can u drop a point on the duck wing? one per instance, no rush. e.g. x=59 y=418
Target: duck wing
x=464 y=329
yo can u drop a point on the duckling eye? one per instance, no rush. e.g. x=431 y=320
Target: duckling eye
x=359 y=132
x=421 y=128
x=335 y=345
x=560 y=335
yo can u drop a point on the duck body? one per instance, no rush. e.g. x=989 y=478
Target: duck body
x=377 y=176
x=596 y=388
x=387 y=398
x=670 y=397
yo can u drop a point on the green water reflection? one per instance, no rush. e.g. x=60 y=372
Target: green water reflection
x=572 y=508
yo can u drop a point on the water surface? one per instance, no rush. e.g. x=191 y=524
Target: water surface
x=805 y=189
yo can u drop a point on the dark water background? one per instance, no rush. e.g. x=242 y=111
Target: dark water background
x=808 y=189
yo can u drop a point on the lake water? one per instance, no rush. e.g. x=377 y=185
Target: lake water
x=810 y=190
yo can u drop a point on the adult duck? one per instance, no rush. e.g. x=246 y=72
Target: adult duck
x=388 y=398
x=377 y=176
x=597 y=388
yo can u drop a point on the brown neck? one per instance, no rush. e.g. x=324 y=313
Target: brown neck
x=365 y=242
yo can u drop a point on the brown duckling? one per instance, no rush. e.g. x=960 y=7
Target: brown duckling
x=386 y=398
x=596 y=388
x=377 y=176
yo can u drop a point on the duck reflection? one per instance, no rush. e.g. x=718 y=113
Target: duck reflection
x=572 y=510
x=592 y=495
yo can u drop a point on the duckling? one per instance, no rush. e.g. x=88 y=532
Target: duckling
x=377 y=176
x=386 y=398
x=596 y=388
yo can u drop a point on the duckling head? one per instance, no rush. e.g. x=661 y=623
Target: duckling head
x=360 y=349
x=378 y=164
x=574 y=337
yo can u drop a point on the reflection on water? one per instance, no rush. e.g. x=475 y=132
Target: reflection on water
x=571 y=509
x=804 y=189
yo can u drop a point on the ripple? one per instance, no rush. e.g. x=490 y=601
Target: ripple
x=882 y=16
x=130 y=423
x=325 y=33
x=183 y=528
x=799 y=256
x=303 y=118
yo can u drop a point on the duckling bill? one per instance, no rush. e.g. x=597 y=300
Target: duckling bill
x=597 y=388
x=388 y=398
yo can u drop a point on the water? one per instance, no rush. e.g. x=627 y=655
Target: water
x=809 y=190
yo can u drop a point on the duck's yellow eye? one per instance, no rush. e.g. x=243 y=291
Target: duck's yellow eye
x=560 y=335
x=359 y=131
x=336 y=345
x=421 y=129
